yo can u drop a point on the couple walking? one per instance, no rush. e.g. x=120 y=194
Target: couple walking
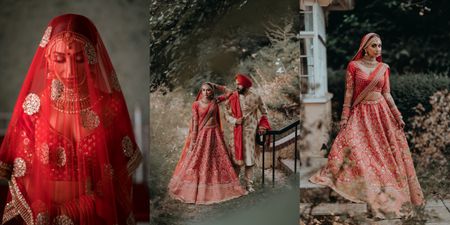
x=207 y=172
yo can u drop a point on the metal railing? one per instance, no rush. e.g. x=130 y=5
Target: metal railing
x=273 y=134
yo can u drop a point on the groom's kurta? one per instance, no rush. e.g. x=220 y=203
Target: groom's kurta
x=250 y=104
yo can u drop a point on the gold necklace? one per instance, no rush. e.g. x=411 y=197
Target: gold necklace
x=369 y=62
x=71 y=103
x=71 y=95
x=69 y=106
x=205 y=102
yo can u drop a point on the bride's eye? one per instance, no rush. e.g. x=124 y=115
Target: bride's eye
x=59 y=58
x=79 y=58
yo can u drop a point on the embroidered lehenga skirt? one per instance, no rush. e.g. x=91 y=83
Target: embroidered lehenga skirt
x=206 y=174
x=370 y=162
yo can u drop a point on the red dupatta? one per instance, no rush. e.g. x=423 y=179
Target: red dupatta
x=238 y=134
x=237 y=113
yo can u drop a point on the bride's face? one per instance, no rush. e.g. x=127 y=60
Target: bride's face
x=67 y=62
x=207 y=91
x=373 y=49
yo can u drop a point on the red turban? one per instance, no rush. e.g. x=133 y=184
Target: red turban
x=243 y=80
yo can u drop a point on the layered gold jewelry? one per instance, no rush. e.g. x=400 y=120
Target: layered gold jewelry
x=71 y=106
x=205 y=102
x=368 y=62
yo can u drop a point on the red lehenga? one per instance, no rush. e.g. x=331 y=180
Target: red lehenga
x=370 y=160
x=204 y=174
x=69 y=150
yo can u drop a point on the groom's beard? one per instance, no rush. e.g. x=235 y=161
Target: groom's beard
x=241 y=90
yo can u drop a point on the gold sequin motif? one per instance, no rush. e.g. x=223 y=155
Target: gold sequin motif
x=91 y=54
x=42 y=219
x=20 y=167
x=127 y=146
x=131 y=220
x=62 y=220
x=115 y=81
x=31 y=104
x=43 y=153
x=89 y=119
x=46 y=37
x=61 y=157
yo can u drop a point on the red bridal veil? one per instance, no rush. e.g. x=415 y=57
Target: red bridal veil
x=69 y=151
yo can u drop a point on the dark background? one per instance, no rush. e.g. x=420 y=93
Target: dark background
x=415 y=33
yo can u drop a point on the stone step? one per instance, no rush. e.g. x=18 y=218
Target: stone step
x=310 y=192
x=288 y=165
x=438 y=212
x=437 y=223
x=305 y=184
x=316 y=162
x=447 y=203
x=305 y=174
x=382 y=222
x=330 y=209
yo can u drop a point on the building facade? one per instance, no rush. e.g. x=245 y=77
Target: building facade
x=313 y=72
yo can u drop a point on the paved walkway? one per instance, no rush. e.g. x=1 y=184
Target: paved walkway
x=437 y=210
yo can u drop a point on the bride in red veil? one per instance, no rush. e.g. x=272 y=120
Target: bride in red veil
x=69 y=151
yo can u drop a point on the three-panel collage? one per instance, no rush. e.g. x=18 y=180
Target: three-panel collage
x=225 y=112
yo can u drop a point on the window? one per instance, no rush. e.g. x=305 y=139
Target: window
x=313 y=65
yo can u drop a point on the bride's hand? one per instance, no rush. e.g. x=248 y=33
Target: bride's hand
x=218 y=87
x=343 y=123
x=212 y=84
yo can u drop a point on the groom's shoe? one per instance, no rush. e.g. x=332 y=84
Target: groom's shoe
x=250 y=188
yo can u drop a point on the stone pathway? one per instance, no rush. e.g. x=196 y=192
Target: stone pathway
x=437 y=210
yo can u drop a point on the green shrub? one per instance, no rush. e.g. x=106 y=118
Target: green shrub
x=408 y=90
x=412 y=89
x=430 y=143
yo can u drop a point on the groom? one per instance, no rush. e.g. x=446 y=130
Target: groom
x=242 y=111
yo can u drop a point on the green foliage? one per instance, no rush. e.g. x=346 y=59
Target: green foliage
x=430 y=142
x=408 y=90
x=413 y=34
x=172 y=23
x=275 y=70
